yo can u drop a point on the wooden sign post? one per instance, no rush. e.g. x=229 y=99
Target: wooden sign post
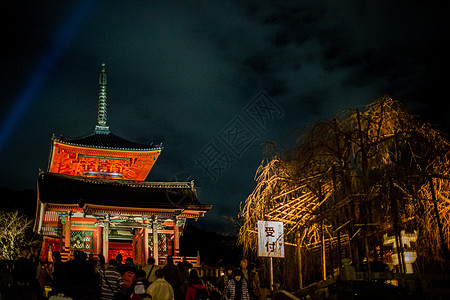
x=270 y=242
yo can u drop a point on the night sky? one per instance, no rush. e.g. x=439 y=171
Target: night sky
x=213 y=81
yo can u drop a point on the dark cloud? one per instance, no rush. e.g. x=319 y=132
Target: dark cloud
x=180 y=72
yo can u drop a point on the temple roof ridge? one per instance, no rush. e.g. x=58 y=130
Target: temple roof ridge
x=130 y=183
x=106 y=141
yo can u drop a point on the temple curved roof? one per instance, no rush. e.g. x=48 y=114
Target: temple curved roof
x=106 y=141
x=66 y=190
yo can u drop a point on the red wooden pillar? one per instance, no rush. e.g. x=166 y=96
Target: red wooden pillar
x=134 y=246
x=105 y=238
x=66 y=232
x=98 y=240
x=169 y=243
x=145 y=245
x=140 y=251
x=176 y=238
x=155 y=240
x=140 y=245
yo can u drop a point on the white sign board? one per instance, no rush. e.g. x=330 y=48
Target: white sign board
x=270 y=239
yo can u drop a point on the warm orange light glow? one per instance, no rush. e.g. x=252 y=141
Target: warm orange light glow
x=102 y=163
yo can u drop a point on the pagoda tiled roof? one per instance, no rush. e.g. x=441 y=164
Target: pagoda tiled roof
x=68 y=190
x=105 y=141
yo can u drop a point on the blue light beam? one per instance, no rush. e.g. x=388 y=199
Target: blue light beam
x=38 y=77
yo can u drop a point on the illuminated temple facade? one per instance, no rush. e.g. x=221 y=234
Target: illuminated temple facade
x=94 y=197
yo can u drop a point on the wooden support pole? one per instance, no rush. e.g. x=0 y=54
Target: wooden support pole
x=366 y=247
x=339 y=252
x=338 y=232
x=324 y=264
x=444 y=247
x=330 y=257
x=271 y=273
x=299 y=255
x=396 y=226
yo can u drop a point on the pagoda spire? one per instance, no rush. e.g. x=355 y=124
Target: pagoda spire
x=101 y=126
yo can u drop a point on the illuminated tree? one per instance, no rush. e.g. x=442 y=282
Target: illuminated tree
x=352 y=179
x=14 y=230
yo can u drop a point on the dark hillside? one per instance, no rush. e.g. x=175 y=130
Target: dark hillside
x=23 y=200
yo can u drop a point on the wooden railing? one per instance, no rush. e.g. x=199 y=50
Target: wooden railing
x=194 y=260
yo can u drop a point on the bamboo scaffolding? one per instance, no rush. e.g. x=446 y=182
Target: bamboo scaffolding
x=354 y=167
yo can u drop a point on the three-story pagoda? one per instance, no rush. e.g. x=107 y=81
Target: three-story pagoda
x=94 y=197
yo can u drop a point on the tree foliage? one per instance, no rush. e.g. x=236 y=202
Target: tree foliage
x=361 y=174
x=14 y=233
